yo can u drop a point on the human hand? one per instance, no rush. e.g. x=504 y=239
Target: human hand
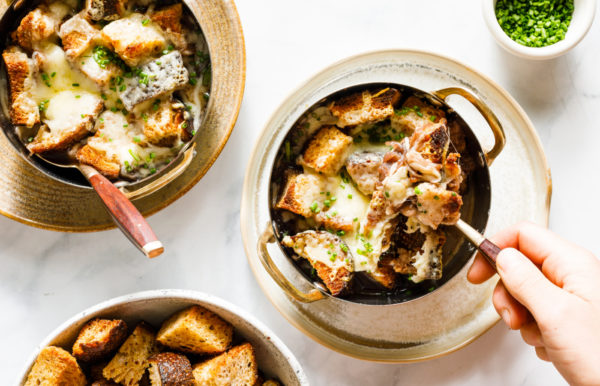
x=550 y=291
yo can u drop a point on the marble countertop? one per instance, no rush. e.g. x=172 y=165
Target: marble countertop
x=47 y=277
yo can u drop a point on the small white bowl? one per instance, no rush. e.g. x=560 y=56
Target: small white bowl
x=583 y=17
x=273 y=357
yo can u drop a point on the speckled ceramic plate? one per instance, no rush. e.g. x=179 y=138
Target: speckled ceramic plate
x=453 y=315
x=272 y=356
x=29 y=196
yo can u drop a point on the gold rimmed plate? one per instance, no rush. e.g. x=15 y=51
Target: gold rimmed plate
x=31 y=197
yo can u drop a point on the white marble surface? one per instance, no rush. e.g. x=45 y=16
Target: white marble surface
x=46 y=277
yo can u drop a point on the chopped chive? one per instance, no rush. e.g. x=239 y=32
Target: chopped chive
x=350 y=196
x=418 y=191
x=145 y=22
x=315 y=207
x=75 y=84
x=136 y=139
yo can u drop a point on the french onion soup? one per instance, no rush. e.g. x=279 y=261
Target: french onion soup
x=120 y=85
x=365 y=186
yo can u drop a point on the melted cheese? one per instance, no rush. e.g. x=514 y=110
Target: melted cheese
x=52 y=60
x=79 y=106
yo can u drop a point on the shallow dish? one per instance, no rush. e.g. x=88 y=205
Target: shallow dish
x=455 y=314
x=273 y=357
x=29 y=196
x=583 y=17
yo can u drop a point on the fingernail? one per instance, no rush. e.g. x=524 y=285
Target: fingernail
x=505 y=314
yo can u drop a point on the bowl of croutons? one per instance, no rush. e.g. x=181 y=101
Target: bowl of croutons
x=163 y=337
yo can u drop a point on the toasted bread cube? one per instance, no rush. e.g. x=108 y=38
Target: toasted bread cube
x=99 y=338
x=364 y=107
x=363 y=168
x=384 y=275
x=328 y=255
x=77 y=35
x=165 y=125
x=104 y=382
x=235 y=367
x=327 y=151
x=55 y=367
x=129 y=364
x=63 y=127
x=99 y=151
x=196 y=330
x=106 y=10
x=159 y=77
x=415 y=114
x=300 y=193
x=271 y=382
x=23 y=109
x=168 y=368
x=36 y=26
x=132 y=40
x=169 y=20
x=101 y=75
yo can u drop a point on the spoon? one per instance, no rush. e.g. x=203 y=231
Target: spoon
x=124 y=213
x=488 y=249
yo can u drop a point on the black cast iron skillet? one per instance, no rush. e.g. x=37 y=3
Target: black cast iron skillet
x=457 y=250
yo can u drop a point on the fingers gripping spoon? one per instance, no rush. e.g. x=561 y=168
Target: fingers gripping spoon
x=124 y=213
x=488 y=249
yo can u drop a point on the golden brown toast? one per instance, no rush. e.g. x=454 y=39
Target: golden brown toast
x=169 y=20
x=168 y=369
x=327 y=151
x=55 y=367
x=300 y=192
x=165 y=124
x=196 y=330
x=235 y=367
x=24 y=110
x=77 y=35
x=365 y=107
x=99 y=338
x=36 y=26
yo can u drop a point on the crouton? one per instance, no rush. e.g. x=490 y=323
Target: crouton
x=271 y=382
x=160 y=76
x=99 y=338
x=99 y=160
x=428 y=260
x=129 y=364
x=328 y=255
x=414 y=114
x=364 y=169
x=384 y=275
x=168 y=369
x=55 y=367
x=23 y=109
x=235 y=367
x=437 y=205
x=335 y=221
x=165 y=125
x=77 y=35
x=169 y=20
x=133 y=40
x=104 y=382
x=63 y=127
x=327 y=151
x=95 y=154
x=36 y=26
x=106 y=10
x=300 y=193
x=101 y=73
x=364 y=107
x=196 y=330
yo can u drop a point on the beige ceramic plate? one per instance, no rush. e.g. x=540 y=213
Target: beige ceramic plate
x=457 y=313
x=29 y=196
x=273 y=357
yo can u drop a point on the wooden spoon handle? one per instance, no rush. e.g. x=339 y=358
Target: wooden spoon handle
x=125 y=214
x=490 y=251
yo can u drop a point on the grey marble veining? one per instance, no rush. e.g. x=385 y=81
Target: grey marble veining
x=46 y=277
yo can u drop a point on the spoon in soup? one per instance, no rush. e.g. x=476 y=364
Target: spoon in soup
x=488 y=249
x=124 y=214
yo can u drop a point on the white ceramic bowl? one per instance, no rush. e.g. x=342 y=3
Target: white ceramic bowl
x=583 y=17
x=273 y=357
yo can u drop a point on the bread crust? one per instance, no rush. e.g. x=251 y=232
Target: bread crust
x=327 y=151
x=55 y=366
x=99 y=338
x=169 y=20
x=89 y=156
x=300 y=191
x=165 y=126
x=20 y=69
x=170 y=369
x=77 y=34
x=237 y=367
x=36 y=26
x=365 y=107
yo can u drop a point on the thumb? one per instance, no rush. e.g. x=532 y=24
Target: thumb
x=527 y=283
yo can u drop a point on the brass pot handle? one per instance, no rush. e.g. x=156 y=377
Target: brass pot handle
x=169 y=176
x=266 y=238
x=490 y=117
